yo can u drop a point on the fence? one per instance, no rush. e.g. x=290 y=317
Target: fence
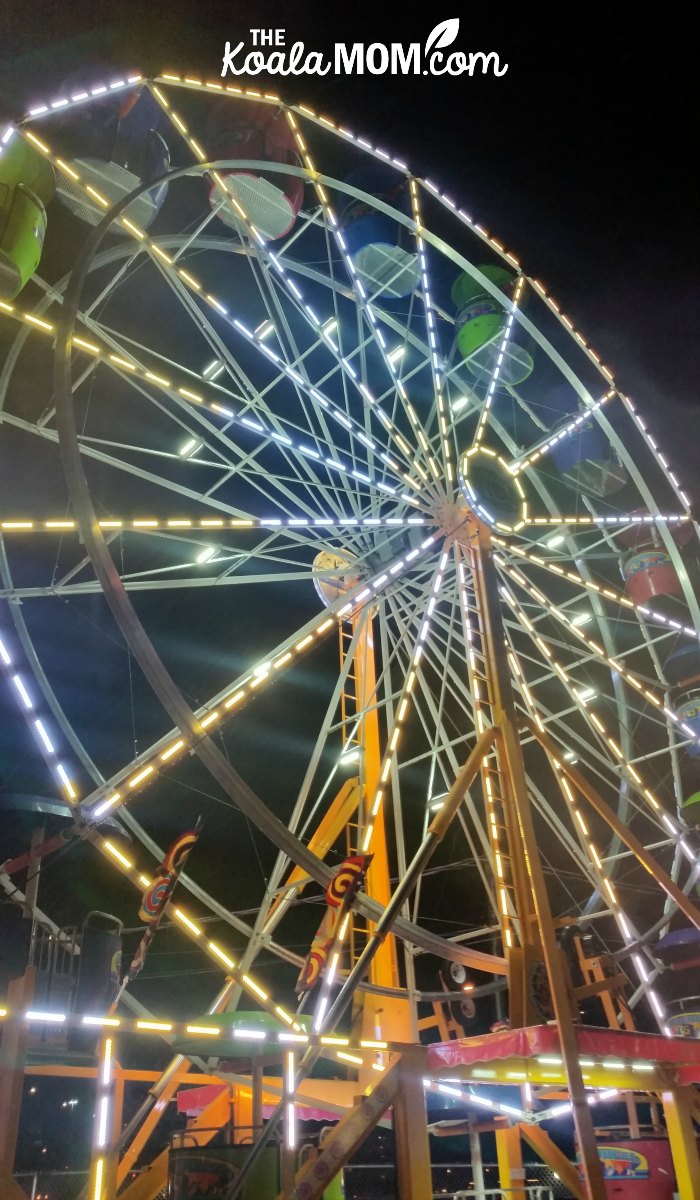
x=362 y=1181
x=52 y=1185
x=377 y=1181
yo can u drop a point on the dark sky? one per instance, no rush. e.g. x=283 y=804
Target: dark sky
x=581 y=157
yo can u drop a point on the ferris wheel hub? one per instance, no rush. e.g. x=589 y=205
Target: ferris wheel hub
x=452 y=514
x=495 y=495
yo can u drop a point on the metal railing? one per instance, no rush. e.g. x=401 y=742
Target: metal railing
x=533 y=1192
x=52 y=1185
x=362 y=1181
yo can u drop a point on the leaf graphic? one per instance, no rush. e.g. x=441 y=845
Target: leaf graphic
x=442 y=35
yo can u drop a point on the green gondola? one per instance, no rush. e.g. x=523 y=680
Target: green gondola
x=480 y=322
x=26 y=187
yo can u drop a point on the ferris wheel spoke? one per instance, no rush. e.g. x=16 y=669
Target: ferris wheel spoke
x=257 y=243
x=632 y=679
x=145 y=769
x=366 y=311
x=428 y=713
x=645 y=802
x=323 y=448
x=598 y=864
x=431 y=712
x=295 y=527
x=191 y=283
x=305 y=460
x=533 y=455
x=604 y=590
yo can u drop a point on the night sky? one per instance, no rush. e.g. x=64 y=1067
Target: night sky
x=582 y=158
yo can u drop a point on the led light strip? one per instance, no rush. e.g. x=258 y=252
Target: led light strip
x=148 y=771
x=599 y=589
x=211 y=86
x=476 y=678
x=342 y=1048
x=598 y=653
x=368 y=309
x=194 y=931
x=129 y=369
x=290 y=286
x=676 y=828
x=102 y=1128
x=519 y=464
x=73 y=101
x=136 y=1026
x=470 y=1097
x=495 y=375
x=37 y=725
x=187 y=82
x=404 y=700
x=670 y=476
x=190 y=83
x=197 y=289
x=329 y=976
x=626 y=519
x=629 y=933
x=377 y=152
x=554 y=307
x=436 y=366
x=204 y=524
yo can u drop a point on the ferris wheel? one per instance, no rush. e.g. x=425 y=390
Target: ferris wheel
x=310 y=408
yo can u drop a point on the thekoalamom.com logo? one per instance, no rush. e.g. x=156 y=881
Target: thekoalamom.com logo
x=271 y=55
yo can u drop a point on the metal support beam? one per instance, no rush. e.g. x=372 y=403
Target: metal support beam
x=509 y=1152
x=647 y=860
x=313 y=1177
x=12 y=1056
x=414 y=1176
x=525 y=850
x=542 y=1144
x=678 y=1104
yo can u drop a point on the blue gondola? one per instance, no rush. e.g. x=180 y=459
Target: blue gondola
x=115 y=147
x=688 y=709
x=382 y=251
x=679 y=949
x=682 y=667
x=585 y=457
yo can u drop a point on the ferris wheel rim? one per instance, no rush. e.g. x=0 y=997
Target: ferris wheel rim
x=677 y=558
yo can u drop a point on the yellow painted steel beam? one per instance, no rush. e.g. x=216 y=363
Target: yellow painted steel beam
x=509 y=1154
x=313 y=1177
x=384 y=967
x=328 y=830
x=151 y=1181
x=134 y=1149
x=684 y=1147
x=130 y=1075
x=540 y=1141
x=648 y=1077
x=414 y=1175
